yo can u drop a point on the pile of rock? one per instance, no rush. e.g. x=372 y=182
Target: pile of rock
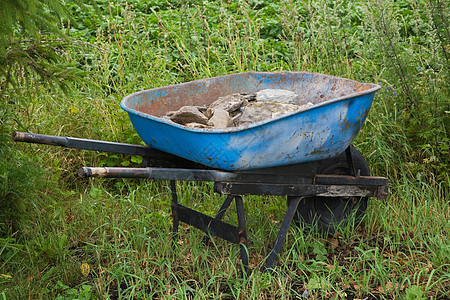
x=239 y=109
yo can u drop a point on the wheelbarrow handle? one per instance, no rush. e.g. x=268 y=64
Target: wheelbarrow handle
x=92 y=145
x=158 y=173
x=34 y=138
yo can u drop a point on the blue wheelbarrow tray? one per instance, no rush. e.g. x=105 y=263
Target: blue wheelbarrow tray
x=324 y=130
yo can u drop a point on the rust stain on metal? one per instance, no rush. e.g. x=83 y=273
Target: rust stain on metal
x=184 y=94
x=346 y=125
x=242 y=236
x=360 y=87
x=316 y=152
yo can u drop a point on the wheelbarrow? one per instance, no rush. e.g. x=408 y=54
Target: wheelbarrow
x=304 y=155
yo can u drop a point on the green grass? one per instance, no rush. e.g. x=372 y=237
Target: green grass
x=125 y=239
x=53 y=222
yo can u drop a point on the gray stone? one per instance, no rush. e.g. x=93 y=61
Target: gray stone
x=305 y=106
x=261 y=111
x=197 y=125
x=238 y=109
x=208 y=113
x=202 y=109
x=230 y=103
x=188 y=114
x=249 y=96
x=276 y=95
x=220 y=119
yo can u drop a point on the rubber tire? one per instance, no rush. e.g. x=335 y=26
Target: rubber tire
x=328 y=214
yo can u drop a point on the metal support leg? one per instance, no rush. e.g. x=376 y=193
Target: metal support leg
x=219 y=216
x=242 y=232
x=292 y=209
x=175 y=220
x=351 y=164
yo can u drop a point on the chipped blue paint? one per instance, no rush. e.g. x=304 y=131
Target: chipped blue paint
x=324 y=130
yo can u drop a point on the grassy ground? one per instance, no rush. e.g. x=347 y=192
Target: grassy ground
x=69 y=238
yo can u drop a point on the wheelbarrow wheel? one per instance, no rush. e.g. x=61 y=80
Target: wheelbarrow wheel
x=328 y=214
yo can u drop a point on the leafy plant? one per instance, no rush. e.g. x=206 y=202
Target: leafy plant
x=67 y=293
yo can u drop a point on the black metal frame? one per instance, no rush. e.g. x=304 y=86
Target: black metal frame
x=298 y=180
